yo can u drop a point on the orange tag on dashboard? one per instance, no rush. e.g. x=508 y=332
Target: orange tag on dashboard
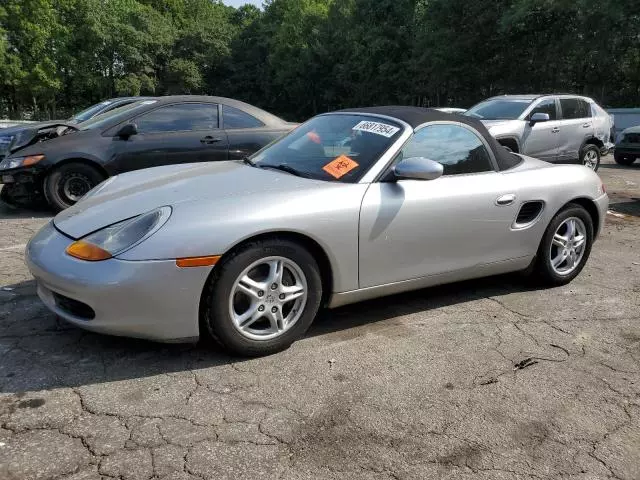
x=340 y=166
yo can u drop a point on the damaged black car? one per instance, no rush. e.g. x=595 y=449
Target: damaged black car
x=7 y=135
x=60 y=162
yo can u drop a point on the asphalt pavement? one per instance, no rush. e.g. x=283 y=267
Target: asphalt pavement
x=487 y=379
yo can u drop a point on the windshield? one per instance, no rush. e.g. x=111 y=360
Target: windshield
x=499 y=109
x=90 y=112
x=337 y=148
x=114 y=115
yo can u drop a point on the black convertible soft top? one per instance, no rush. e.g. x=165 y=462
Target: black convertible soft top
x=416 y=116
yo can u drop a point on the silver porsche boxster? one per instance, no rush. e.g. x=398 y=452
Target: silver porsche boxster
x=350 y=205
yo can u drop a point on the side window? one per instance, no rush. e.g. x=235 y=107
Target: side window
x=458 y=149
x=234 y=118
x=586 y=109
x=179 y=118
x=113 y=106
x=546 y=106
x=574 y=108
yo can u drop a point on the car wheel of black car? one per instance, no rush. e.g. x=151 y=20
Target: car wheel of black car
x=565 y=246
x=623 y=159
x=65 y=185
x=262 y=297
x=590 y=157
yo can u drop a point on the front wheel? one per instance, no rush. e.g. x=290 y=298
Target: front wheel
x=68 y=183
x=590 y=157
x=262 y=297
x=621 y=159
x=565 y=246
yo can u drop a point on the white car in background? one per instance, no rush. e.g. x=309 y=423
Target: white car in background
x=555 y=128
x=451 y=109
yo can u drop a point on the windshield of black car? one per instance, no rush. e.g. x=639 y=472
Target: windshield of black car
x=90 y=112
x=338 y=148
x=115 y=115
x=499 y=109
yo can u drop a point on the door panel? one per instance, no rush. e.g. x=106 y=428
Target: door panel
x=136 y=152
x=197 y=146
x=541 y=139
x=412 y=228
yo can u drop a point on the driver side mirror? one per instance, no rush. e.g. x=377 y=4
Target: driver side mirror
x=418 y=168
x=539 y=117
x=127 y=130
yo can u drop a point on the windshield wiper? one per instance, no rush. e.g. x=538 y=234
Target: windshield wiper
x=285 y=168
x=248 y=161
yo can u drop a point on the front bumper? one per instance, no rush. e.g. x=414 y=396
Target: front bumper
x=623 y=150
x=29 y=174
x=152 y=299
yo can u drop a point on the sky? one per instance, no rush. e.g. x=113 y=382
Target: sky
x=237 y=3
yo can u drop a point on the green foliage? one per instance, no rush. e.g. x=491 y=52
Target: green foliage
x=300 y=57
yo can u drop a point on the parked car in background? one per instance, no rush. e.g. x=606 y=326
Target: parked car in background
x=623 y=118
x=9 y=133
x=146 y=133
x=627 y=148
x=416 y=198
x=555 y=128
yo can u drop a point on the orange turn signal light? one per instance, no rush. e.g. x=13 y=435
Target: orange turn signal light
x=197 y=261
x=87 y=251
x=31 y=160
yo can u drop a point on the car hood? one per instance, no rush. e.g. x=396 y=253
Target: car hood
x=34 y=132
x=134 y=193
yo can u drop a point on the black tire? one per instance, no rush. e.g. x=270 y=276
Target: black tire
x=216 y=317
x=543 y=270
x=625 y=160
x=587 y=149
x=83 y=178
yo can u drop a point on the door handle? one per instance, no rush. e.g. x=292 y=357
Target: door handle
x=586 y=125
x=505 y=200
x=555 y=130
x=209 y=139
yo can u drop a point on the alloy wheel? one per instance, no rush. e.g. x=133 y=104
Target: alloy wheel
x=568 y=245
x=590 y=159
x=268 y=298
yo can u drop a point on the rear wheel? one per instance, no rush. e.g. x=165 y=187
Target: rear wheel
x=590 y=157
x=262 y=297
x=68 y=183
x=565 y=246
x=623 y=159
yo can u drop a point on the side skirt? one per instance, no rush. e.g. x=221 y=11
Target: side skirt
x=478 y=271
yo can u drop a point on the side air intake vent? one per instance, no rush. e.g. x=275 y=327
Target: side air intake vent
x=529 y=212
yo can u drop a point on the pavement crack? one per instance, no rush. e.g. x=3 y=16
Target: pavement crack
x=509 y=309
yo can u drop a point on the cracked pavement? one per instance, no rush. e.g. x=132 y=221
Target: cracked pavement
x=487 y=379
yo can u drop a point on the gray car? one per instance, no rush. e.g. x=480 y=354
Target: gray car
x=349 y=206
x=555 y=128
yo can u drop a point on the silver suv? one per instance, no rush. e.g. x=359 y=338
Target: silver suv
x=555 y=128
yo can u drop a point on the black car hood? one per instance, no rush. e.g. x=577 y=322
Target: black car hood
x=29 y=134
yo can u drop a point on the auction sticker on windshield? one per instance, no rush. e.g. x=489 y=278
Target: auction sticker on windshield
x=340 y=166
x=377 y=128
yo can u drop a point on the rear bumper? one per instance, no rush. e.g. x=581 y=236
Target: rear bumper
x=154 y=300
x=602 y=204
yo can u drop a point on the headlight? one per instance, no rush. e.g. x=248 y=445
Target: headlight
x=5 y=141
x=16 y=162
x=119 y=237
